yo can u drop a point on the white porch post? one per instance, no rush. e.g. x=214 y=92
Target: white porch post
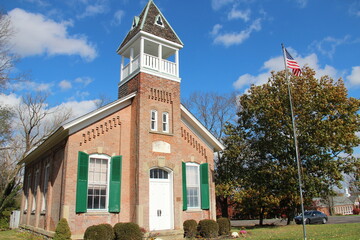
x=177 y=62
x=160 y=57
x=141 y=54
x=121 y=68
x=131 y=60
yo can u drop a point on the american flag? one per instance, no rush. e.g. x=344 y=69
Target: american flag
x=291 y=63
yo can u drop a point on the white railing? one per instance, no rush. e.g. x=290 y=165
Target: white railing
x=168 y=67
x=135 y=63
x=151 y=62
x=125 y=71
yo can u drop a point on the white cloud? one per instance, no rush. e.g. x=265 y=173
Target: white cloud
x=10 y=100
x=301 y=3
x=84 y=80
x=30 y=86
x=328 y=45
x=354 y=9
x=93 y=10
x=36 y=35
x=238 y=14
x=65 y=84
x=354 y=77
x=79 y=108
x=217 y=4
x=216 y=29
x=235 y=38
x=118 y=16
x=277 y=64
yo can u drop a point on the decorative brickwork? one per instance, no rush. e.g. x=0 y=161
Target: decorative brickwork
x=193 y=142
x=100 y=129
x=160 y=95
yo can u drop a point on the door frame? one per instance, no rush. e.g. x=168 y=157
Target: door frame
x=171 y=193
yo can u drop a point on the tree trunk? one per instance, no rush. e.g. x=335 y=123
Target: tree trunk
x=261 y=221
x=224 y=207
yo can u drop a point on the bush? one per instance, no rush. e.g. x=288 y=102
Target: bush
x=101 y=231
x=356 y=211
x=62 y=231
x=4 y=224
x=224 y=226
x=127 y=231
x=208 y=228
x=190 y=228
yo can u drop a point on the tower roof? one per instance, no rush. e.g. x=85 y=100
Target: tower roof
x=148 y=21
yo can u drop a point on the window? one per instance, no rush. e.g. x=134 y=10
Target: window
x=159 y=173
x=195 y=184
x=159 y=21
x=36 y=184
x=44 y=195
x=165 y=122
x=98 y=183
x=153 y=124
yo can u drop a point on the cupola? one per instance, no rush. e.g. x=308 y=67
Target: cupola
x=151 y=46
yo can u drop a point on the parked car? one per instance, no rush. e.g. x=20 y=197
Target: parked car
x=312 y=217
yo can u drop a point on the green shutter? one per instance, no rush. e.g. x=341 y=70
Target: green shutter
x=115 y=184
x=82 y=182
x=184 y=186
x=204 y=179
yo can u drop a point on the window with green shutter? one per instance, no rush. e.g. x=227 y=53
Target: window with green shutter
x=115 y=184
x=204 y=178
x=184 y=186
x=82 y=182
x=98 y=183
x=195 y=181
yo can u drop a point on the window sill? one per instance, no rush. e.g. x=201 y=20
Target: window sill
x=194 y=210
x=97 y=213
x=161 y=133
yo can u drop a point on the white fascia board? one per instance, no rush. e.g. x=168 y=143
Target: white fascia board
x=98 y=114
x=152 y=37
x=190 y=120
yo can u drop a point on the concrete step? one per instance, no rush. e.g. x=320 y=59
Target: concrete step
x=166 y=234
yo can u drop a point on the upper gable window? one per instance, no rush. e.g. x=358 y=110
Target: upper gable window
x=135 y=22
x=159 y=21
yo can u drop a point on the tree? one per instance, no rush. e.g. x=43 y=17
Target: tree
x=33 y=123
x=7 y=59
x=327 y=122
x=214 y=110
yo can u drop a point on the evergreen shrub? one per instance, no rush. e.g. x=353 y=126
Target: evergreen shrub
x=101 y=231
x=208 y=228
x=224 y=226
x=62 y=231
x=190 y=228
x=127 y=231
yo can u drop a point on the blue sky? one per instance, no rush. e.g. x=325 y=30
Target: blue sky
x=68 y=47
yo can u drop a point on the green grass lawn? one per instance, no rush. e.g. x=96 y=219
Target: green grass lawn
x=314 y=232
x=17 y=235
x=349 y=231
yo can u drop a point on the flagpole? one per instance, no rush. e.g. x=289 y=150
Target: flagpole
x=295 y=143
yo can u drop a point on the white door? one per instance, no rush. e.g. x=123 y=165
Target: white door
x=160 y=200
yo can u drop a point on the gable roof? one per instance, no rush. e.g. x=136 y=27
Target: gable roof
x=196 y=126
x=77 y=124
x=146 y=23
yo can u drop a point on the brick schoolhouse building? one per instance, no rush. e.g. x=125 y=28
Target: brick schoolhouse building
x=143 y=158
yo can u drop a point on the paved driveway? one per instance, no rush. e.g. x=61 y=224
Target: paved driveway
x=332 y=220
